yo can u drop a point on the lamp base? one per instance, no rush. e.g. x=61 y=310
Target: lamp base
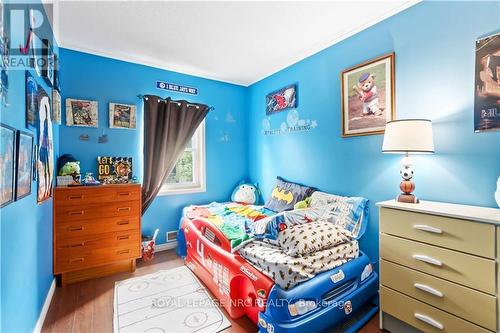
x=407 y=198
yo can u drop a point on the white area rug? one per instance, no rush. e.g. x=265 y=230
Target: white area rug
x=168 y=301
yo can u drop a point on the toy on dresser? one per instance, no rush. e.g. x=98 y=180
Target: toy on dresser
x=68 y=170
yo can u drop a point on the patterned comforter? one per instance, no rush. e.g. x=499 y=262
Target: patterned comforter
x=288 y=271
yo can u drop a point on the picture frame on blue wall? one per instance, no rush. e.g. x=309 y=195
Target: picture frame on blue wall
x=122 y=116
x=368 y=96
x=487 y=84
x=47 y=62
x=282 y=99
x=24 y=164
x=56 y=107
x=31 y=100
x=7 y=164
x=81 y=113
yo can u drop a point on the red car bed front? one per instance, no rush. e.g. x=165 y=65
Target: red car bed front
x=241 y=289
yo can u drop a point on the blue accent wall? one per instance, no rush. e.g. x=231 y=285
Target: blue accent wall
x=434 y=46
x=26 y=227
x=86 y=76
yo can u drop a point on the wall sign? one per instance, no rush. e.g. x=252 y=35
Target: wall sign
x=176 y=87
x=114 y=169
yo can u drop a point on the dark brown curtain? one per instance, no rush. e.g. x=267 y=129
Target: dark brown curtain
x=168 y=127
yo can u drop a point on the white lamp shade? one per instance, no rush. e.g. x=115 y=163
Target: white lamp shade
x=408 y=136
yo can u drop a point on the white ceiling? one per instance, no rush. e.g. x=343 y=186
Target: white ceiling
x=238 y=42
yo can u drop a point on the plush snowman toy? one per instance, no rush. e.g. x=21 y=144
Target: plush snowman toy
x=246 y=193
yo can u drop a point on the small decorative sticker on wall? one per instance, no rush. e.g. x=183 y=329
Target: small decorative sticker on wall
x=293 y=124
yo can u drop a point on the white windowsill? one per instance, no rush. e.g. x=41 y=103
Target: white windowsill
x=179 y=191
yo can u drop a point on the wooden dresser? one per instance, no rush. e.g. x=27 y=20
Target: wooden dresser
x=96 y=230
x=439 y=267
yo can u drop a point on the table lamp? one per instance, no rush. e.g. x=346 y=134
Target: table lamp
x=408 y=136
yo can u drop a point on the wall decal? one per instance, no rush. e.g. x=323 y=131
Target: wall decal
x=293 y=124
x=122 y=116
x=81 y=113
x=230 y=118
x=176 y=87
x=84 y=137
x=224 y=137
x=282 y=99
x=368 y=97
x=487 y=92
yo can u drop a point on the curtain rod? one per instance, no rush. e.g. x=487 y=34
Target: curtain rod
x=210 y=108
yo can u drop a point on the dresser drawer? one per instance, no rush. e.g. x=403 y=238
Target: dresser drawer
x=109 y=209
x=95 y=226
x=461 y=235
x=466 y=303
x=465 y=269
x=422 y=316
x=70 y=196
x=79 y=254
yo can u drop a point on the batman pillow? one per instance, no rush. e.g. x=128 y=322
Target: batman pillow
x=286 y=194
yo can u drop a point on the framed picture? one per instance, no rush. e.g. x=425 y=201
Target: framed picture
x=24 y=164
x=279 y=100
x=368 y=101
x=31 y=100
x=56 y=107
x=45 y=154
x=57 y=83
x=7 y=164
x=122 y=116
x=487 y=92
x=47 y=62
x=81 y=113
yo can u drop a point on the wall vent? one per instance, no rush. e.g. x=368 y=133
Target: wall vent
x=171 y=236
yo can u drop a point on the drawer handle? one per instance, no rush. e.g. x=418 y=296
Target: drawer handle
x=77 y=244
x=429 y=320
x=81 y=212
x=428 y=228
x=428 y=259
x=123 y=237
x=123 y=251
x=124 y=194
x=75 y=197
x=80 y=228
x=123 y=222
x=124 y=209
x=428 y=289
x=76 y=260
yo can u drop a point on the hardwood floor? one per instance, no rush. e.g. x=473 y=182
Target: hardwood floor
x=87 y=306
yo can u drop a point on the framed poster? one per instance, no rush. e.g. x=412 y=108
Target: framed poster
x=487 y=83
x=368 y=97
x=282 y=99
x=47 y=62
x=122 y=116
x=56 y=107
x=24 y=164
x=81 y=113
x=31 y=100
x=7 y=164
x=45 y=162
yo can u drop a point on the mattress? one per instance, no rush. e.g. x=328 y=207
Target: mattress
x=287 y=271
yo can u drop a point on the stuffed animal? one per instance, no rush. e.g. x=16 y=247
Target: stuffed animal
x=246 y=193
x=306 y=203
x=367 y=93
x=70 y=169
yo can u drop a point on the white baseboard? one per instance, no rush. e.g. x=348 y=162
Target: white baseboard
x=45 y=308
x=165 y=246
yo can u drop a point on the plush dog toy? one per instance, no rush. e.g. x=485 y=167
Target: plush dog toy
x=367 y=93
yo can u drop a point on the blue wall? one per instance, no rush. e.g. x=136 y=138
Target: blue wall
x=434 y=46
x=86 y=76
x=26 y=228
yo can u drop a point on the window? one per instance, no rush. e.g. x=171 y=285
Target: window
x=188 y=175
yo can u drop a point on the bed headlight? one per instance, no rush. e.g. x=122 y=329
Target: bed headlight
x=301 y=307
x=367 y=271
